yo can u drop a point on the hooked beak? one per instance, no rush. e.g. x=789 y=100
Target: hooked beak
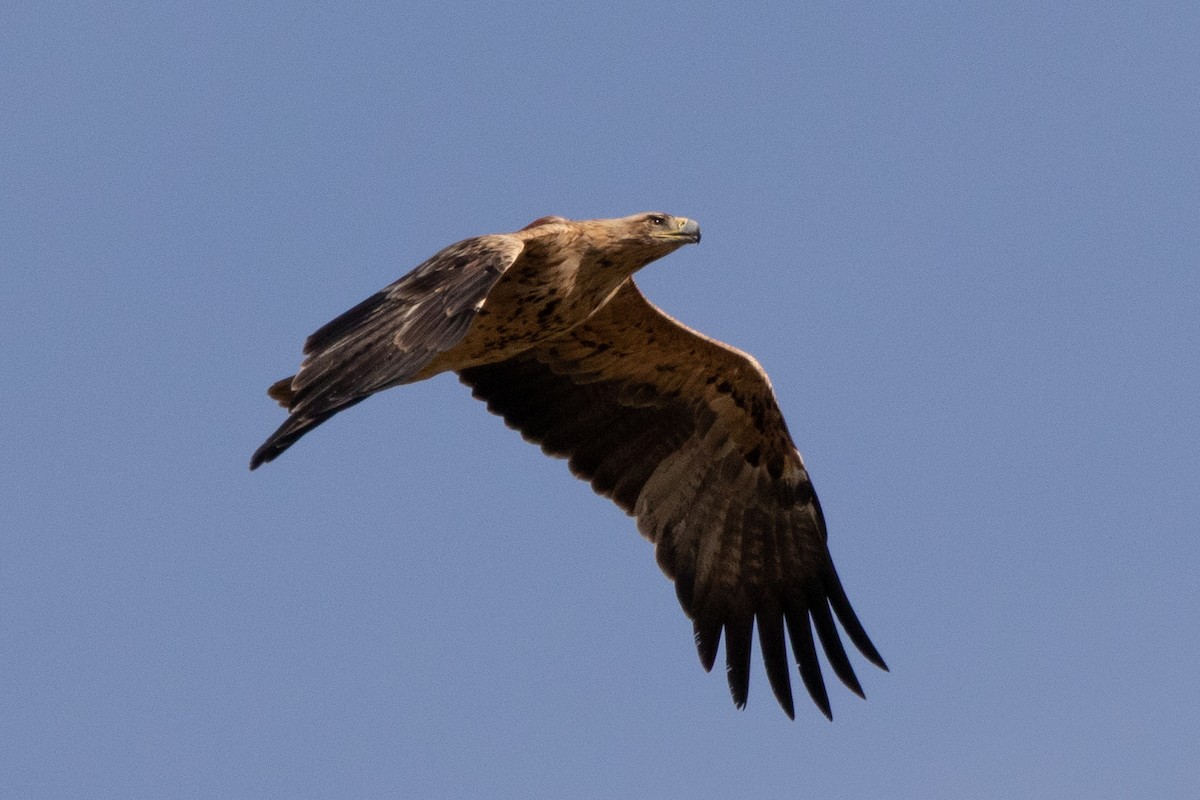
x=689 y=229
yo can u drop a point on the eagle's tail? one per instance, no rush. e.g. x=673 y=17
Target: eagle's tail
x=282 y=392
x=301 y=421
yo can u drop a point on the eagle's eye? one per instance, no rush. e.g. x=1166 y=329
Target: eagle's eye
x=658 y=221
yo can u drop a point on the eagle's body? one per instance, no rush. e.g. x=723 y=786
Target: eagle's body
x=681 y=431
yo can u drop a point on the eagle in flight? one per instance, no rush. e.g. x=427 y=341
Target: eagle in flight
x=681 y=431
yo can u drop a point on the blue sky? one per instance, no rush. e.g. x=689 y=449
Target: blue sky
x=963 y=240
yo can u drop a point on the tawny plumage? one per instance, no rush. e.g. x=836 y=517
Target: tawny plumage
x=681 y=431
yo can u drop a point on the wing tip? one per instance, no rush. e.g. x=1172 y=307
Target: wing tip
x=708 y=640
x=849 y=620
x=266 y=453
x=285 y=436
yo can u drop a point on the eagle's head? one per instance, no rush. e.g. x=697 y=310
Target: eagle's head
x=617 y=246
x=655 y=226
x=641 y=238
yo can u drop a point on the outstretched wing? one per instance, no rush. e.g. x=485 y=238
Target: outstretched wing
x=684 y=433
x=389 y=337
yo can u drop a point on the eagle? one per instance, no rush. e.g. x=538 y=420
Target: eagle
x=681 y=431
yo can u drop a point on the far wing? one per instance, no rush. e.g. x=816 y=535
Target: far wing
x=684 y=433
x=388 y=338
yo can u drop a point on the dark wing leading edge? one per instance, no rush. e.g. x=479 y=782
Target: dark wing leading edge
x=684 y=433
x=389 y=337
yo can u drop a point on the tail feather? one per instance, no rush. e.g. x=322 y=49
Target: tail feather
x=282 y=392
